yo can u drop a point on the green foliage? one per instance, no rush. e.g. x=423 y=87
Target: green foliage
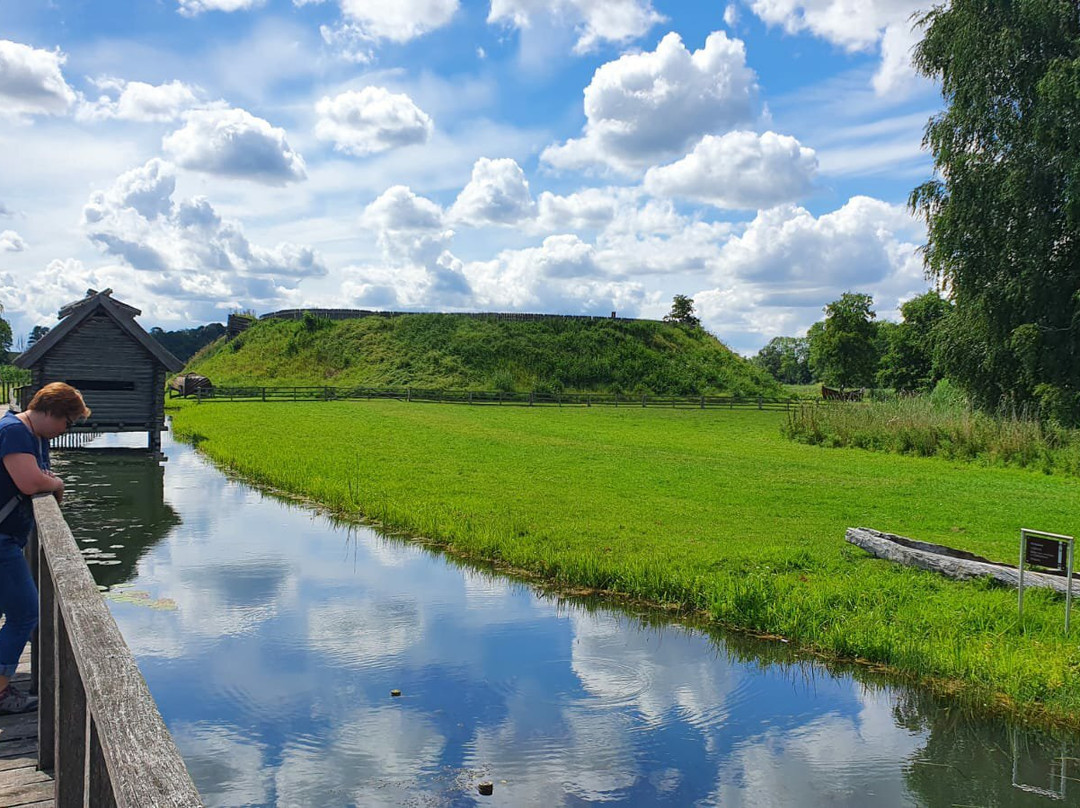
x=447 y=351
x=907 y=361
x=185 y=343
x=702 y=510
x=1004 y=212
x=36 y=333
x=786 y=359
x=313 y=322
x=5 y=338
x=9 y=374
x=682 y=311
x=842 y=350
x=941 y=424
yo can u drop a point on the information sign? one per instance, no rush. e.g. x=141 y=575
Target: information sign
x=1044 y=552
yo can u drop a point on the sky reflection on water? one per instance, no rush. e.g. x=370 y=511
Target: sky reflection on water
x=271 y=639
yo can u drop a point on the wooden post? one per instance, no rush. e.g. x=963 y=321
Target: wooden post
x=99 y=787
x=643 y=400
x=45 y=675
x=71 y=723
x=532 y=397
x=759 y=402
x=703 y=402
x=31 y=552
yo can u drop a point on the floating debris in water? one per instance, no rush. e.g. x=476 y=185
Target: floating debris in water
x=140 y=598
x=485 y=789
x=395 y=692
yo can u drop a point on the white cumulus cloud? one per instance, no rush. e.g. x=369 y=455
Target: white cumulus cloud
x=896 y=74
x=138 y=101
x=738 y=170
x=851 y=24
x=31 y=81
x=587 y=209
x=562 y=274
x=371 y=120
x=646 y=107
x=398 y=20
x=191 y=250
x=10 y=241
x=861 y=244
x=855 y=25
x=596 y=21
x=421 y=271
x=498 y=193
x=234 y=143
x=191 y=8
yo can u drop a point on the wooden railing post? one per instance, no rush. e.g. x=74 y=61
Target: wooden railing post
x=45 y=676
x=99 y=788
x=31 y=553
x=70 y=724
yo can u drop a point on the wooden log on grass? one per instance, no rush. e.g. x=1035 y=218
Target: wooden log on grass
x=948 y=561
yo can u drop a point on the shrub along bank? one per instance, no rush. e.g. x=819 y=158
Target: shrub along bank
x=448 y=351
x=709 y=511
x=940 y=425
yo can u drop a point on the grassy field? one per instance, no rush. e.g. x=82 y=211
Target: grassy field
x=704 y=510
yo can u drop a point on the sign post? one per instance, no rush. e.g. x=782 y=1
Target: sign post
x=1052 y=550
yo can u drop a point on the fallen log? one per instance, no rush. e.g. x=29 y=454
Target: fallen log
x=948 y=561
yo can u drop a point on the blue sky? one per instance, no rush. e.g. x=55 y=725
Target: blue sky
x=565 y=156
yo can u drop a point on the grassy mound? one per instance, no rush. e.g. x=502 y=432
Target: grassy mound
x=448 y=351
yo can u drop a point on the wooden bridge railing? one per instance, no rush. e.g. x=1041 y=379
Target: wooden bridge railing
x=99 y=728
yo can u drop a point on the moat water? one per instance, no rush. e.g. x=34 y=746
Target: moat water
x=272 y=637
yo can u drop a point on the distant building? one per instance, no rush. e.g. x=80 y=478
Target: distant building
x=119 y=368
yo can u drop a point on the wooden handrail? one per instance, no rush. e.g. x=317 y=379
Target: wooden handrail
x=98 y=726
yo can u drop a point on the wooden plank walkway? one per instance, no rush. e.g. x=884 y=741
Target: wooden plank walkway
x=21 y=784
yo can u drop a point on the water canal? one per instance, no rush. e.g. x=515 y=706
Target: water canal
x=271 y=638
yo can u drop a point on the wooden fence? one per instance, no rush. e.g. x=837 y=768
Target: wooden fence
x=487 y=397
x=98 y=726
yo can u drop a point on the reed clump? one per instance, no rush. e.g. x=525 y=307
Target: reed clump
x=941 y=424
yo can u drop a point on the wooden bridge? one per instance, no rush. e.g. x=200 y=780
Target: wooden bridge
x=97 y=738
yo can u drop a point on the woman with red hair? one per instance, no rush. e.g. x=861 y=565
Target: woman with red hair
x=24 y=450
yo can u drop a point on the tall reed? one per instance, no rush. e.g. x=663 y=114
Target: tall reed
x=940 y=426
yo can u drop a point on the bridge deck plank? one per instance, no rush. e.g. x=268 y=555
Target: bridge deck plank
x=21 y=784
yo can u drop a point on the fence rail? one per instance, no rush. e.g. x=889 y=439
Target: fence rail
x=486 y=397
x=98 y=726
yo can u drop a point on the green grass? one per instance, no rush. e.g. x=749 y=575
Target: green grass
x=449 y=351
x=704 y=510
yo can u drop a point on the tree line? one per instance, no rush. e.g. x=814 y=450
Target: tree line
x=851 y=348
x=1003 y=221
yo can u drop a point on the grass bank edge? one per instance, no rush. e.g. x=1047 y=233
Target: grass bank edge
x=846 y=607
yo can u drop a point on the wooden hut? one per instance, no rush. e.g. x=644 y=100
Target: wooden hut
x=119 y=368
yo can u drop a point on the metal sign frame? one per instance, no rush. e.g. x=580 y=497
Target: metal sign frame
x=1025 y=534
x=1060 y=794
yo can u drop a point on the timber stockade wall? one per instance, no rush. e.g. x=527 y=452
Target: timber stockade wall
x=356 y=314
x=487 y=397
x=98 y=727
